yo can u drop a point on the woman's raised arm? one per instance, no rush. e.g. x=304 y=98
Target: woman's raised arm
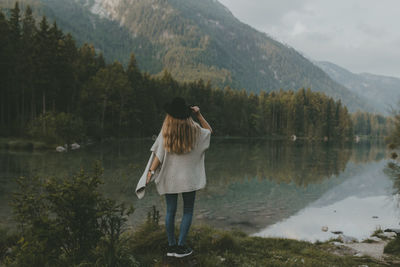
x=203 y=122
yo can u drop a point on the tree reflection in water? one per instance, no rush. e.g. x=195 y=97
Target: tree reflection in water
x=250 y=183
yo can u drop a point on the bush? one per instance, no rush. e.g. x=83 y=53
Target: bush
x=393 y=247
x=7 y=239
x=57 y=127
x=20 y=144
x=69 y=222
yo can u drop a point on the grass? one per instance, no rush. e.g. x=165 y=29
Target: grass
x=393 y=247
x=380 y=234
x=233 y=248
x=8 y=238
x=212 y=247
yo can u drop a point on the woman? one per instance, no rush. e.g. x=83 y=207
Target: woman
x=179 y=162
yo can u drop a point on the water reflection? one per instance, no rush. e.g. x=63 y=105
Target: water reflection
x=358 y=206
x=251 y=184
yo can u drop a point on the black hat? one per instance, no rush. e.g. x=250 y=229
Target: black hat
x=178 y=108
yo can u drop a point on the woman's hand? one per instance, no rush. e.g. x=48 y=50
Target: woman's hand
x=154 y=166
x=203 y=122
x=195 y=110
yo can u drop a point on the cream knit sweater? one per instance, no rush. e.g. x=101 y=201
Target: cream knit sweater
x=178 y=173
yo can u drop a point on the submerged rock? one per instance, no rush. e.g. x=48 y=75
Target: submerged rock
x=337 y=232
x=347 y=239
x=375 y=238
x=62 y=148
x=396 y=231
x=75 y=146
x=390 y=235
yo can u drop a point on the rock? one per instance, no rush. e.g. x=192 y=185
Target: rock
x=200 y=216
x=359 y=254
x=347 y=239
x=221 y=258
x=324 y=228
x=391 y=230
x=75 y=146
x=374 y=250
x=375 y=238
x=390 y=235
x=337 y=243
x=61 y=149
x=337 y=232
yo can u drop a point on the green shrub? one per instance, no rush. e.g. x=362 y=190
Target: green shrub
x=69 y=222
x=8 y=239
x=393 y=247
x=57 y=127
x=20 y=144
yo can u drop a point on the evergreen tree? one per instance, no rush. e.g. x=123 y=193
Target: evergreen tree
x=15 y=25
x=59 y=80
x=5 y=61
x=15 y=66
x=27 y=40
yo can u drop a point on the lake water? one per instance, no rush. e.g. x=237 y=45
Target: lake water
x=265 y=188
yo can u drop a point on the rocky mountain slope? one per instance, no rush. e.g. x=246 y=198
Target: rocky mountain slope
x=192 y=39
x=382 y=92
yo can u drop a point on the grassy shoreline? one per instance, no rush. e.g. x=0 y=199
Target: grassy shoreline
x=212 y=247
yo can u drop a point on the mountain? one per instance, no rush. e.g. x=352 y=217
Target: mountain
x=192 y=39
x=382 y=92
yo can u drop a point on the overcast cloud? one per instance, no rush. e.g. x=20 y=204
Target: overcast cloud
x=359 y=35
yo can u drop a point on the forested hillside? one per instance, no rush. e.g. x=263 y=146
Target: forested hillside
x=52 y=89
x=114 y=42
x=192 y=40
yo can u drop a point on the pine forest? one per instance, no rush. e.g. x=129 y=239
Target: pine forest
x=55 y=91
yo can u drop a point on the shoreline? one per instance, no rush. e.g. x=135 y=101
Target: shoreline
x=27 y=144
x=213 y=247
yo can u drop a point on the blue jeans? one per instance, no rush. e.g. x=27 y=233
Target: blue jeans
x=188 y=205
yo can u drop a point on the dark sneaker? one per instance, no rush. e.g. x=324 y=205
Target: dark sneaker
x=183 y=251
x=171 y=250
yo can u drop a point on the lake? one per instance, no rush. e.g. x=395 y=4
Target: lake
x=263 y=187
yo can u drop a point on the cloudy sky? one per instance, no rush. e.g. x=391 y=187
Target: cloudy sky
x=360 y=35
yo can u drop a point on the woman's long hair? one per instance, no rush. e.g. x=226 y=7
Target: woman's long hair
x=179 y=135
